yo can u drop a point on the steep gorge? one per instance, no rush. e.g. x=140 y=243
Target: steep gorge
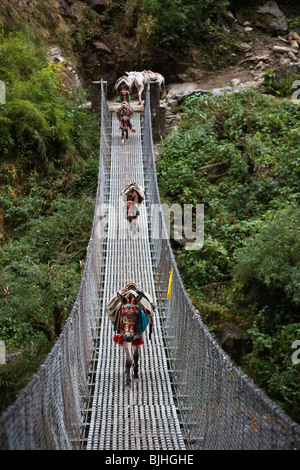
x=88 y=42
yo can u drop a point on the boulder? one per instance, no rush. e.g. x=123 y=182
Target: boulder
x=66 y=11
x=101 y=46
x=292 y=56
x=229 y=18
x=234 y=341
x=235 y=82
x=286 y=72
x=55 y=55
x=180 y=95
x=220 y=91
x=246 y=47
x=272 y=19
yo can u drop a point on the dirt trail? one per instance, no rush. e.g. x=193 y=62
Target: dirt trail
x=255 y=59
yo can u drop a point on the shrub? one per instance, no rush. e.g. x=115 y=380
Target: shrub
x=41 y=125
x=267 y=268
x=239 y=156
x=171 y=23
x=40 y=272
x=270 y=364
x=283 y=88
x=46 y=142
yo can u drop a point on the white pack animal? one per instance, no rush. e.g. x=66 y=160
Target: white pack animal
x=140 y=79
x=156 y=77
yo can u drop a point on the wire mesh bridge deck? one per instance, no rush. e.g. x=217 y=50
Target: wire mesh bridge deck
x=144 y=417
x=190 y=394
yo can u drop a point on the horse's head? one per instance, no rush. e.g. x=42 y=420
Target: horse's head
x=130 y=315
x=132 y=195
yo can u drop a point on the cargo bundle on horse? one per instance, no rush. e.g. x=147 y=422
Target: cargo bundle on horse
x=122 y=82
x=156 y=77
x=124 y=110
x=130 y=310
x=122 y=87
x=135 y=191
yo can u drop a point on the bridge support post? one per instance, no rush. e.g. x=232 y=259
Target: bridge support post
x=96 y=95
x=158 y=113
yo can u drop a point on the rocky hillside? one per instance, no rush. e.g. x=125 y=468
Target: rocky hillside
x=93 y=39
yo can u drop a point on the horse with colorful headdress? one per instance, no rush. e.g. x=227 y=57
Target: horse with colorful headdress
x=130 y=310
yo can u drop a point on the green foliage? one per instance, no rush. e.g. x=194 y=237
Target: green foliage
x=270 y=364
x=269 y=262
x=21 y=364
x=171 y=23
x=40 y=272
x=293 y=23
x=49 y=149
x=206 y=266
x=41 y=123
x=238 y=155
x=18 y=58
x=282 y=89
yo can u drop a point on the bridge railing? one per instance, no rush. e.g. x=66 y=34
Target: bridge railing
x=220 y=407
x=48 y=413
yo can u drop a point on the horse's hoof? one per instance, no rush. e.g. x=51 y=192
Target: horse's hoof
x=136 y=380
x=127 y=387
x=122 y=141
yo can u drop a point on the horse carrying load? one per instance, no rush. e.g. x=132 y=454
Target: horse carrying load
x=122 y=87
x=115 y=303
x=133 y=196
x=145 y=306
x=124 y=110
x=135 y=190
x=122 y=82
x=130 y=310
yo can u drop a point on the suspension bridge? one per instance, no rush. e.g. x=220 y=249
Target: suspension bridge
x=190 y=395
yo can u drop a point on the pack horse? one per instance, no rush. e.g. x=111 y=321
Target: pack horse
x=140 y=79
x=131 y=311
x=133 y=196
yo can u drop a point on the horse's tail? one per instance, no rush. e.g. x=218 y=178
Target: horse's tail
x=163 y=86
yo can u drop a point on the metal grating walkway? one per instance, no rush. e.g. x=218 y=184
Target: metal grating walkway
x=144 y=418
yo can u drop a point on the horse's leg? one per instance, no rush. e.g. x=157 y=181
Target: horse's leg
x=134 y=226
x=135 y=363
x=140 y=91
x=127 y=349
